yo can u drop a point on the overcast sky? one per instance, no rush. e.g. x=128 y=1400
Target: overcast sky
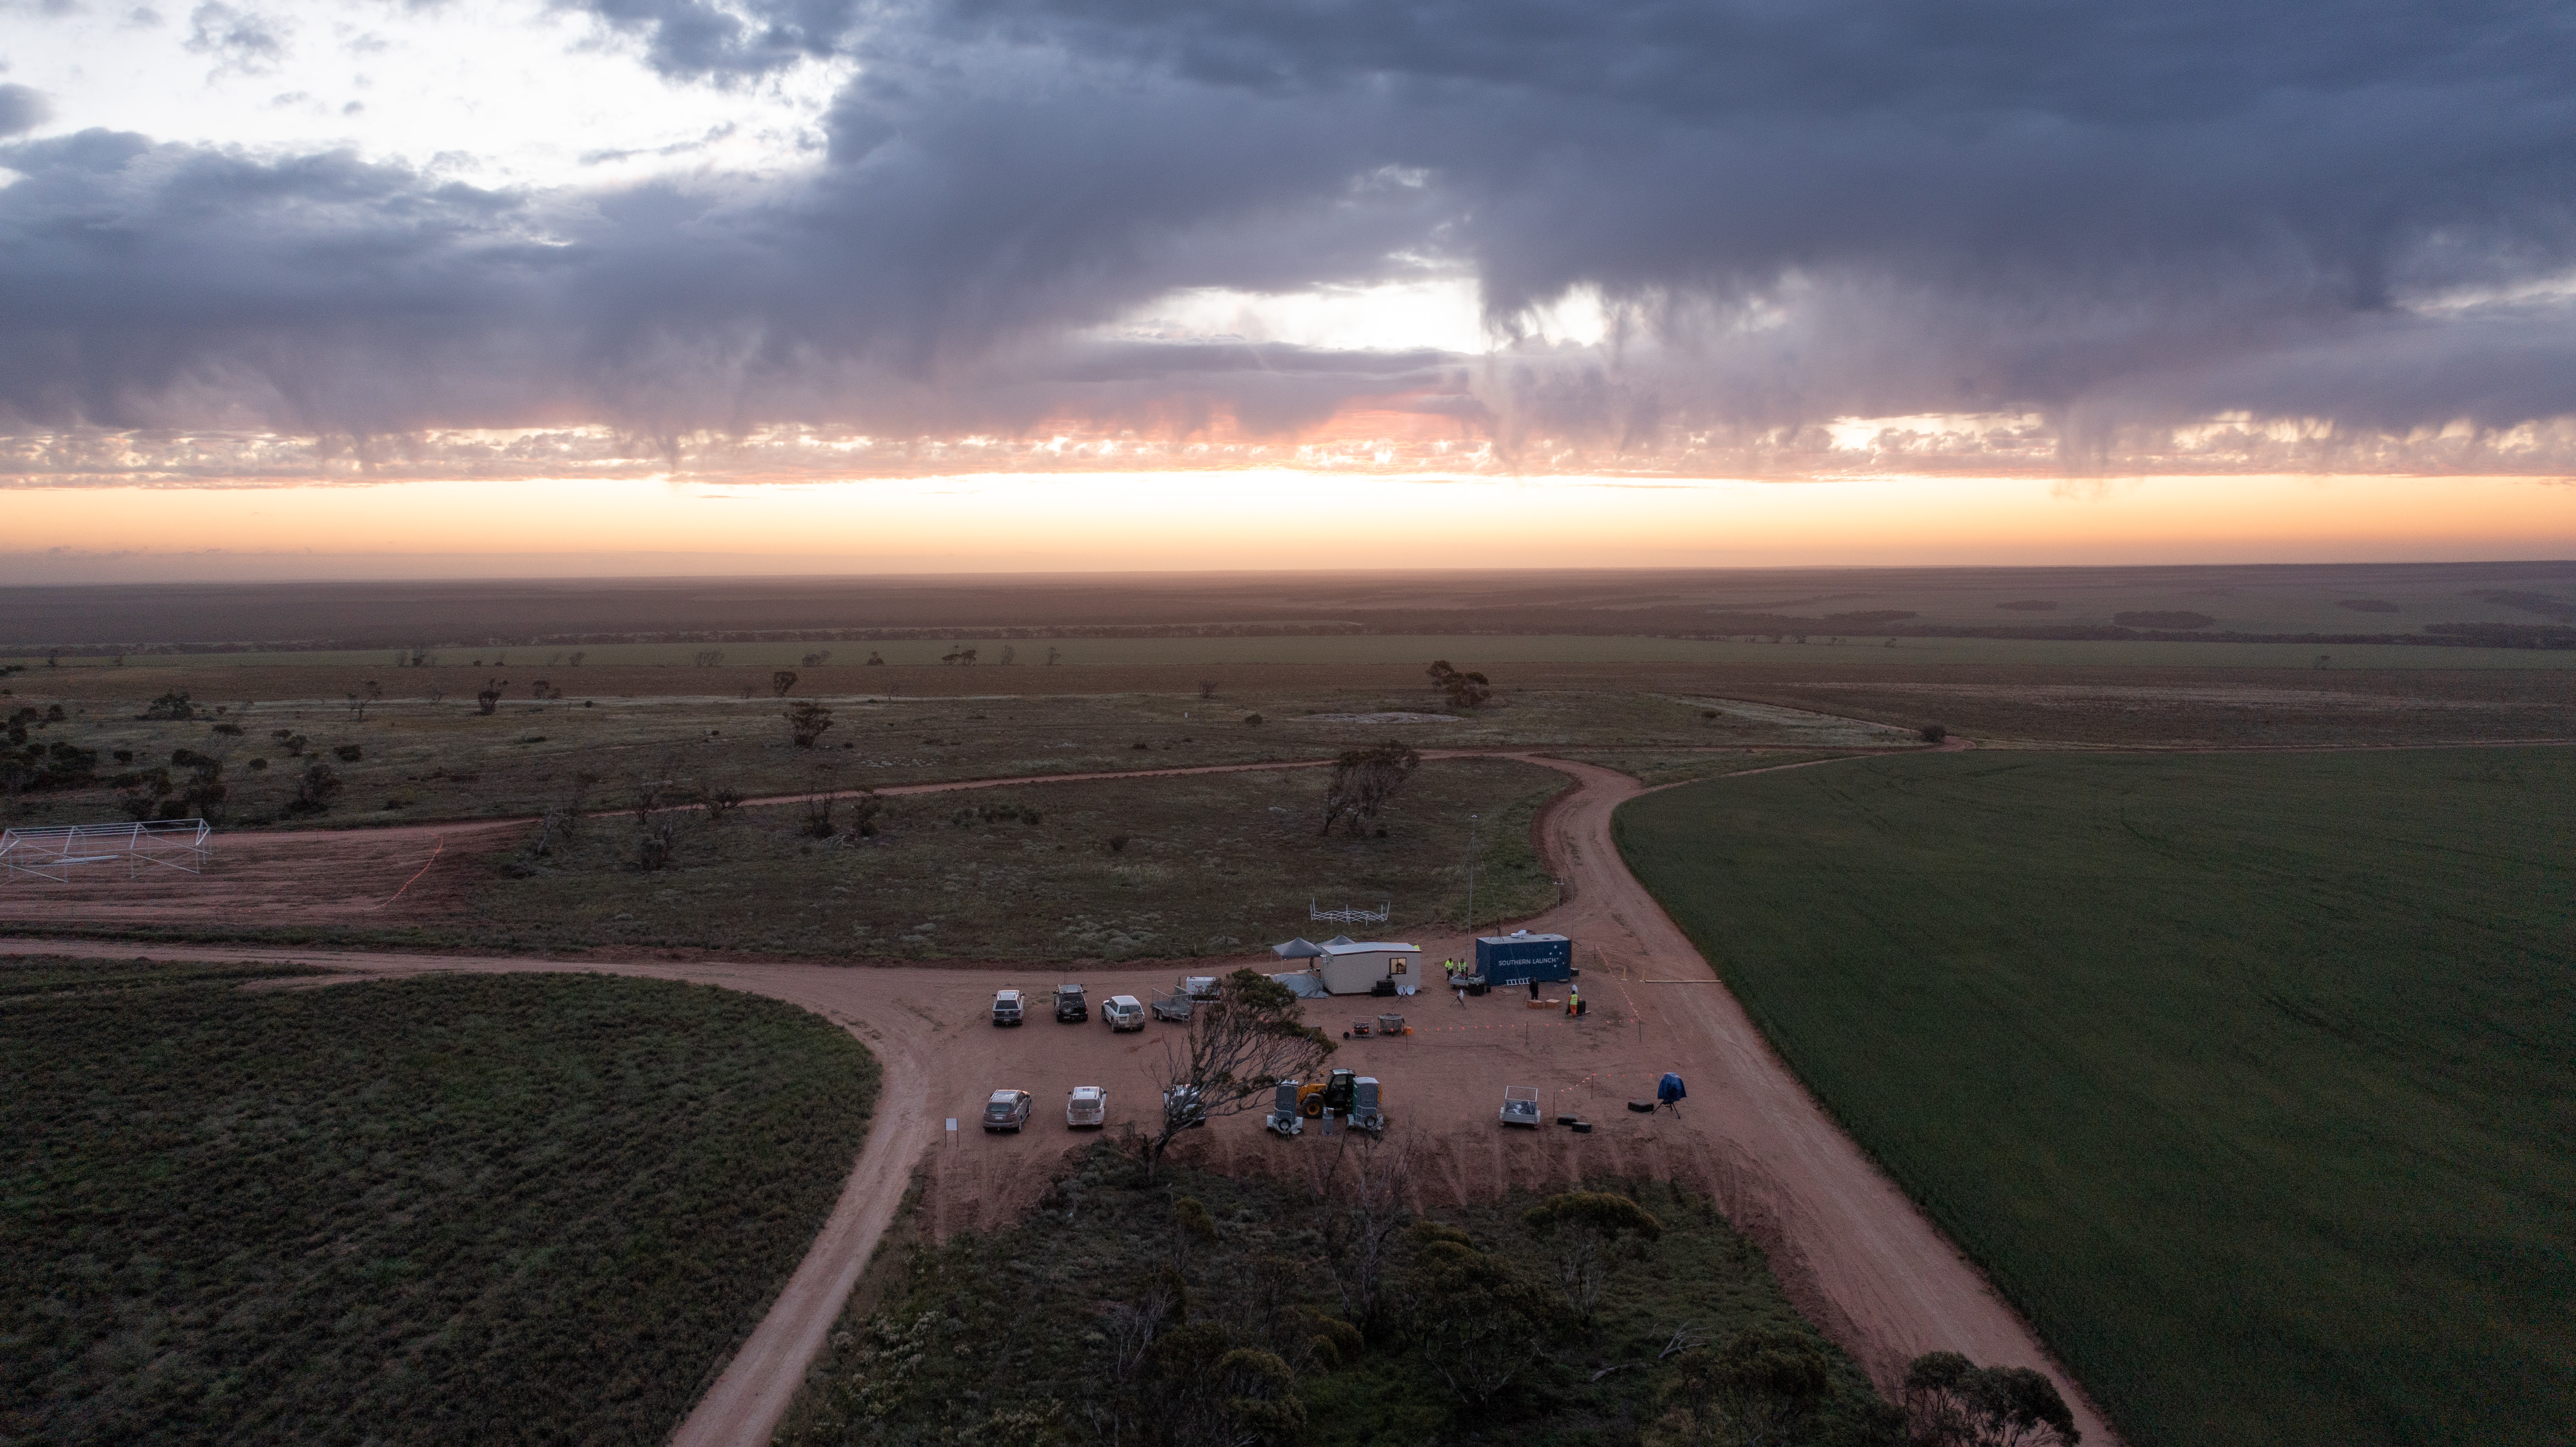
x=1531 y=235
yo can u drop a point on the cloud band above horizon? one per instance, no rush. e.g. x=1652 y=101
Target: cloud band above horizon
x=2200 y=237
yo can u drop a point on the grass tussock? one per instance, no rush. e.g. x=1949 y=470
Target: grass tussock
x=535 y=1208
x=2246 y=1077
x=1195 y=1308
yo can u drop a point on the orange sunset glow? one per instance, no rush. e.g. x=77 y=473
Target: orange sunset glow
x=1270 y=520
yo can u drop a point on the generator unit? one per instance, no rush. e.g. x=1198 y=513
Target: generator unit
x=1365 y=1114
x=1283 y=1117
x=1520 y=957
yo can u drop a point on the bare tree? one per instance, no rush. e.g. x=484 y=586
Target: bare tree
x=1054 y=653
x=562 y=822
x=1207 y=688
x=806 y=721
x=781 y=681
x=659 y=834
x=1364 y=780
x=1239 y=1046
x=1359 y=1189
x=361 y=696
x=1010 y=655
x=818 y=817
x=487 y=700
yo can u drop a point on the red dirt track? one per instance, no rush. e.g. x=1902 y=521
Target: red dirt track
x=1852 y=1251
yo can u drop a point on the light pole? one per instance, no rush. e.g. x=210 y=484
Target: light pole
x=1471 y=881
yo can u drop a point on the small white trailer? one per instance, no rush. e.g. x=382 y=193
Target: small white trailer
x=1360 y=966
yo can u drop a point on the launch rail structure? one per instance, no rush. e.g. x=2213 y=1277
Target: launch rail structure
x=53 y=851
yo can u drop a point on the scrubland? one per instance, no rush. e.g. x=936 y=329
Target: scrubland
x=1124 y=1303
x=1209 y=864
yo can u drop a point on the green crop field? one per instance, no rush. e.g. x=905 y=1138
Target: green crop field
x=2248 y=1078
x=532 y=1208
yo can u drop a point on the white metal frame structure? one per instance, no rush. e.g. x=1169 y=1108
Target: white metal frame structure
x=1379 y=915
x=54 y=851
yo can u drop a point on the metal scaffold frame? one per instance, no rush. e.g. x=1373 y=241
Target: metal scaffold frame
x=54 y=851
x=1379 y=915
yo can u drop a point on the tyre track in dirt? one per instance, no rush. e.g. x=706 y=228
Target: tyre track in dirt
x=1852 y=1251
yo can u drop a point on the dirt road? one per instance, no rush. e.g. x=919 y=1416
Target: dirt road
x=1853 y=1252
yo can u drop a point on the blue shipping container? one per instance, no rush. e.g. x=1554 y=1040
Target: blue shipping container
x=1517 y=959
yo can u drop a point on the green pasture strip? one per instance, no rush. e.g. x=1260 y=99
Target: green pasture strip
x=511 y=1209
x=1007 y=1337
x=2248 y=1078
x=1025 y=673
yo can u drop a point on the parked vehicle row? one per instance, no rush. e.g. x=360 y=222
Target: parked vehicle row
x=1119 y=1012
x=1086 y=1107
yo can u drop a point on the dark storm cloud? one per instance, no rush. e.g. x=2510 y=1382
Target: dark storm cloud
x=22 y=109
x=691 y=39
x=2119 y=217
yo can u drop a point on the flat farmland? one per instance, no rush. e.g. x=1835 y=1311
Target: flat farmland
x=1348 y=650
x=2246 y=1077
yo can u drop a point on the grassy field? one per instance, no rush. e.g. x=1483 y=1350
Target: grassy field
x=2247 y=1078
x=1017 y=1338
x=489 y=1209
x=1858 y=650
x=1151 y=868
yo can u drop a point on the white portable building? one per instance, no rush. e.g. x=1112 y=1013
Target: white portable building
x=1354 y=967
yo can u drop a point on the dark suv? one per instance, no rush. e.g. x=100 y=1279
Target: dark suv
x=1007 y=1110
x=1070 y=1006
